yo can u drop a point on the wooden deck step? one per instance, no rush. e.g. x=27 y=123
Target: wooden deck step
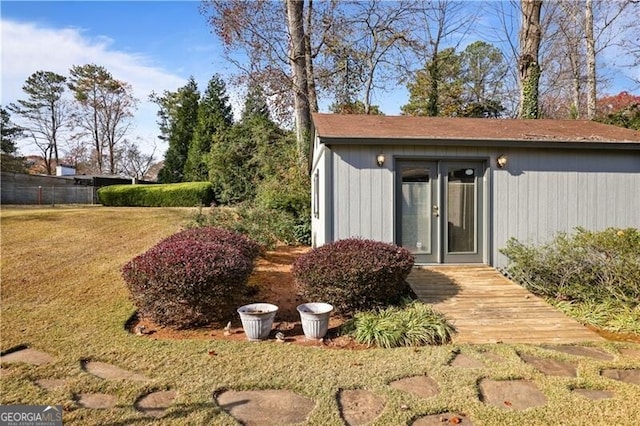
x=486 y=307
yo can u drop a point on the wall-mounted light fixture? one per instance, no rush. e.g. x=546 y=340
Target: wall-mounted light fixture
x=380 y=160
x=502 y=161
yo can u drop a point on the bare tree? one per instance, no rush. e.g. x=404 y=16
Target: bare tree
x=438 y=24
x=605 y=27
x=134 y=163
x=378 y=41
x=591 y=60
x=275 y=45
x=105 y=109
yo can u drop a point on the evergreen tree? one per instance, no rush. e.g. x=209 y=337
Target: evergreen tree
x=255 y=104
x=10 y=132
x=9 y=160
x=181 y=111
x=214 y=116
x=437 y=89
x=483 y=73
x=44 y=113
x=240 y=158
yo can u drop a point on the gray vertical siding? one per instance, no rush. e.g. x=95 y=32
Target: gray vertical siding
x=364 y=195
x=538 y=194
x=543 y=192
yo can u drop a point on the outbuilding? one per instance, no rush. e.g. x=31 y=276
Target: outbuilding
x=454 y=190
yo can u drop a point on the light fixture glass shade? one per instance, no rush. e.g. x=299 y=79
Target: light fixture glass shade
x=380 y=160
x=502 y=161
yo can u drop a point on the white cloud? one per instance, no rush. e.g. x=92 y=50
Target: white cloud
x=28 y=47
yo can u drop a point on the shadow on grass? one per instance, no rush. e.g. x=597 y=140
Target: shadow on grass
x=179 y=411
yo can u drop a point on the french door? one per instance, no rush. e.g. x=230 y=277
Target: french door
x=439 y=210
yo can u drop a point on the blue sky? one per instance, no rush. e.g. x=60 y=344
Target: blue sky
x=152 y=45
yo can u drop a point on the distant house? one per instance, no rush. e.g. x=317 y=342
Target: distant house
x=454 y=190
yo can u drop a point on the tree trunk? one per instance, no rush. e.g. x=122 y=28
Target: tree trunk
x=311 y=82
x=298 y=61
x=528 y=65
x=591 y=61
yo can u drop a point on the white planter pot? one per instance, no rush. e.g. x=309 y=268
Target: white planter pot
x=257 y=319
x=315 y=319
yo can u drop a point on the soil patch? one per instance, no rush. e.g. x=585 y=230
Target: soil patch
x=422 y=386
x=156 y=403
x=443 y=419
x=266 y=406
x=27 y=356
x=617 y=337
x=111 y=372
x=511 y=394
x=96 y=400
x=359 y=406
x=274 y=284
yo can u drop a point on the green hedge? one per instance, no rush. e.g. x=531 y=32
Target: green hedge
x=187 y=194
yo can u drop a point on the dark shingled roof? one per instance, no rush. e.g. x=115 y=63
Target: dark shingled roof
x=332 y=127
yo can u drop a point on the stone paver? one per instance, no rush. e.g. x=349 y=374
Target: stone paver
x=584 y=351
x=630 y=353
x=594 y=394
x=550 y=367
x=359 y=407
x=465 y=361
x=27 y=356
x=96 y=400
x=423 y=386
x=447 y=418
x=50 y=384
x=111 y=372
x=155 y=404
x=627 y=376
x=266 y=407
x=511 y=394
x=494 y=357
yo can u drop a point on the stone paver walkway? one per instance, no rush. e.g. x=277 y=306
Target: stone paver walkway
x=361 y=406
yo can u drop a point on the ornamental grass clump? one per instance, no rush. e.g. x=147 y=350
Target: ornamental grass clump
x=415 y=324
x=183 y=283
x=212 y=234
x=354 y=274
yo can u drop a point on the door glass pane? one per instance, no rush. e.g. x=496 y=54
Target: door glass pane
x=416 y=209
x=461 y=210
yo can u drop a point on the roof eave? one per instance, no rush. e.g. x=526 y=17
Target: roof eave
x=498 y=143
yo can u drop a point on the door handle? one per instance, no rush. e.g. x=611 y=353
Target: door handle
x=436 y=211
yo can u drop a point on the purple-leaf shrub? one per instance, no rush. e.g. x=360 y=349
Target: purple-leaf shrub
x=354 y=274
x=212 y=234
x=188 y=283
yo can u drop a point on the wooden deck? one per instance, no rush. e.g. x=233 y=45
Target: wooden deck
x=487 y=307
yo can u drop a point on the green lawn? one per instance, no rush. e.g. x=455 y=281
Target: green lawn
x=62 y=293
